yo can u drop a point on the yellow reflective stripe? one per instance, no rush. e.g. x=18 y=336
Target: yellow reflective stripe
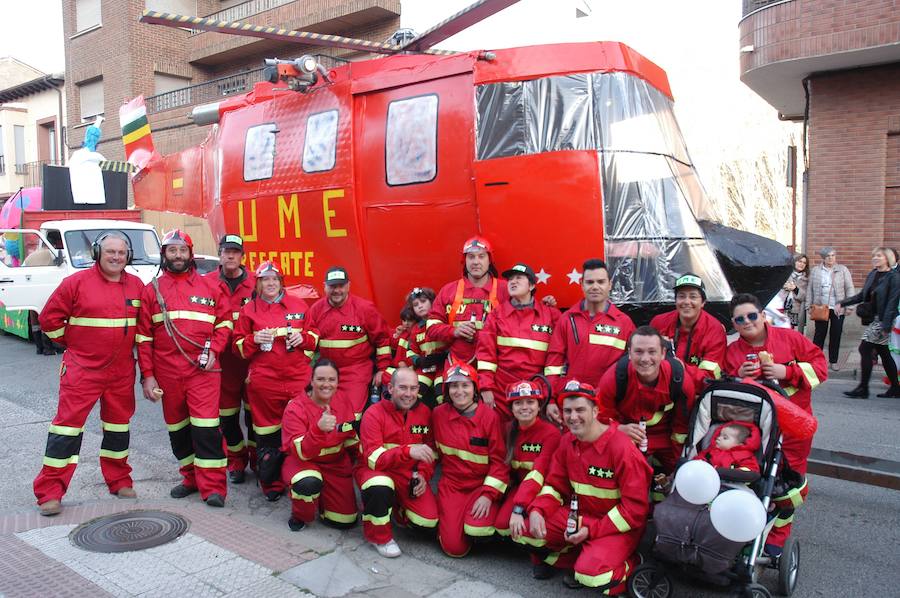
x=378 y=480
x=779 y=522
x=183 y=314
x=496 y=484
x=479 y=531
x=228 y=411
x=711 y=366
x=657 y=417
x=373 y=457
x=330 y=450
x=534 y=476
x=178 y=425
x=794 y=495
x=210 y=463
x=529 y=465
x=205 y=422
x=224 y=324
x=343 y=344
x=339 y=517
x=487 y=366
x=113 y=454
x=351 y=442
x=810 y=374
x=140 y=338
x=187 y=460
x=306 y=473
x=427 y=348
x=240 y=346
x=102 y=322
x=522 y=343
x=430 y=323
x=679 y=438
x=425 y=380
x=113 y=427
x=403 y=343
x=790 y=390
x=419 y=520
x=56 y=333
x=616 y=517
x=531 y=541
x=312 y=334
x=551 y=491
x=234 y=448
x=263 y=430
x=588 y=490
x=383 y=351
x=609 y=341
x=554 y=370
x=65 y=430
x=594 y=581
x=478 y=324
x=51 y=462
x=462 y=454
x=384 y=520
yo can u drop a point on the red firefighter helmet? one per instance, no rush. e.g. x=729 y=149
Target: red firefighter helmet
x=574 y=388
x=458 y=372
x=475 y=244
x=177 y=237
x=524 y=389
x=268 y=269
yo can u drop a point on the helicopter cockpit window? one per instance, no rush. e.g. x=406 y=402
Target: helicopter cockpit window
x=411 y=140
x=259 y=152
x=321 y=141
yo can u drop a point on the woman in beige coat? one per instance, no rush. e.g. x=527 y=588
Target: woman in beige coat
x=829 y=284
x=793 y=293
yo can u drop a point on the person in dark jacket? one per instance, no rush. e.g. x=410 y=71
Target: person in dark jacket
x=877 y=308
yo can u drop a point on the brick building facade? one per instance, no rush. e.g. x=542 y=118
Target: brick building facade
x=845 y=54
x=111 y=57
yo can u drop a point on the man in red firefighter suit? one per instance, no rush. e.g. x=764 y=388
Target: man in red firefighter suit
x=274 y=335
x=513 y=345
x=605 y=471
x=398 y=448
x=641 y=388
x=474 y=472
x=590 y=336
x=92 y=313
x=237 y=286
x=698 y=338
x=350 y=331
x=799 y=367
x=185 y=323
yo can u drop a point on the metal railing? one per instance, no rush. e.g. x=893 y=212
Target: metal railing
x=21 y=168
x=241 y=11
x=2 y=165
x=34 y=171
x=208 y=91
x=754 y=5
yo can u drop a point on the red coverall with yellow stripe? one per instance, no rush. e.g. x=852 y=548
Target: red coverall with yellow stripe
x=666 y=421
x=348 y=336
x=513 y=346
x=585 y=352
x=318 y=466
x=531 y=458
x=473 y=302
x=198 y=311
x=276 y=376
x=701 y=349
x=96 y=320
x=234 y=372
x=611 y=479
x=412 y=348
x=806 y=369
x=473 y=464
x=387 y=435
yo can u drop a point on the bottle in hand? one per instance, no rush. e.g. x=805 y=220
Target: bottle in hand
x=414 y=481
x=287 y=338
x=572 y=521
x=643 y=425
x=203 y=360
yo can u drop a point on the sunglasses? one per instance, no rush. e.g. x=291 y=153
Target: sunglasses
x=741 y=320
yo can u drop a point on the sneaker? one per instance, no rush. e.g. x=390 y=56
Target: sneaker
x=295 y=524
x=570 y=582
x=273 y=495
x=237 y=476
x=126 y=493
x=834 y=367
x=542 y=571
x=50 y=508
x=388 y=550
x=215 y=500
x=180 y=491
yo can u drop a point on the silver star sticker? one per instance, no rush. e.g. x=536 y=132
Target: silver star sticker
x=542 y=276
x=574 y=276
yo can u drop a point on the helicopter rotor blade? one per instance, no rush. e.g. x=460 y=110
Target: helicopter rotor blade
x=464 y=19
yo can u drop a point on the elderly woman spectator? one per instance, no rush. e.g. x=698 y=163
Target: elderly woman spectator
x=877 y=309
x=829 y=284
x=794 y=292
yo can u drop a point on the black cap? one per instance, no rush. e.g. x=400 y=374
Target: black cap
x=523 y=269
x=336 y=275
x=229 y=241
x=689 y=279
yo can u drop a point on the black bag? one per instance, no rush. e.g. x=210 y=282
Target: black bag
x=866 y=312
x=268 y=463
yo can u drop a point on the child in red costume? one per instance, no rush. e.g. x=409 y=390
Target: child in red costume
x=735 y=447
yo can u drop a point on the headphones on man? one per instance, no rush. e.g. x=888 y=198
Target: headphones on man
x=111 y=234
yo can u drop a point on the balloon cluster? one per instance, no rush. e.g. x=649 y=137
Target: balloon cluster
x=736 y=514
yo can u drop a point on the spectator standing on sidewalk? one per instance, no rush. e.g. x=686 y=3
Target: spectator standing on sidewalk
x=794 y=292
x=829 y=284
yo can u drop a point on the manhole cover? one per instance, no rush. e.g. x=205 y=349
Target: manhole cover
x=132 y=530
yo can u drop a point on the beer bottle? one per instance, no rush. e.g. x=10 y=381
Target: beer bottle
x=643 y=426
x=572 y=521
x=414 y=480
x=287 y=337
x=203 y=360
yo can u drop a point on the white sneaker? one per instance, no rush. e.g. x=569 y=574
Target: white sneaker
x=388 y=550
x=834 y=367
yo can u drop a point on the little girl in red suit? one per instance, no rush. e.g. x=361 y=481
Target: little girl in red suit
x=734 y=448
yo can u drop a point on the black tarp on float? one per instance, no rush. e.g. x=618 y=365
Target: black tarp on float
x=57 y=191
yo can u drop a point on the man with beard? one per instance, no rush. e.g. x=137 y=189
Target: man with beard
x=185 y=323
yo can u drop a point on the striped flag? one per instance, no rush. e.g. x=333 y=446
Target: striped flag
x=136 y=133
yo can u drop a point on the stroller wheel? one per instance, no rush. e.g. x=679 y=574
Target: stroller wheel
x=649 y=581
x=789 y=567
x=755 y=590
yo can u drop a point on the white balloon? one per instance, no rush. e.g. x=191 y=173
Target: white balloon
x=738 y=515
x=697 y=482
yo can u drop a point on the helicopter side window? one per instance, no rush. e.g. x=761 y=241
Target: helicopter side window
x=321 y=141
x=410 y=151
x=259 y=152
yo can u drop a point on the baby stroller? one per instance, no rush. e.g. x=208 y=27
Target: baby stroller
x=685 y=541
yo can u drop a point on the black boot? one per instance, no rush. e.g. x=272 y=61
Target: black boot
x=892 y=393
x=860 y=392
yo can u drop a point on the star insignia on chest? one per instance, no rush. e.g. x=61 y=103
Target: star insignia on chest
x=531 y=447
x=600 y=472
x=542 y=328
x=245 y=300
x=418 y=429
x=350 y=328
x=203 y=301
x=607 y=329
x=694 y=360
x=290 y=317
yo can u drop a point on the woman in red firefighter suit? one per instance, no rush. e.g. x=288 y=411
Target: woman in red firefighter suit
x=272 y=333
x=474 y=472
x=513 y=345
x=799 y=367
x=321 y=445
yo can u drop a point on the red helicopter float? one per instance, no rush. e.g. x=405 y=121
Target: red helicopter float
x=555 y=153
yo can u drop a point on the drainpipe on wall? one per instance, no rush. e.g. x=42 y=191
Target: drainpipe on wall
x=60 y=141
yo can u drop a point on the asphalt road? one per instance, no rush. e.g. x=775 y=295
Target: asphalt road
x=849 y=533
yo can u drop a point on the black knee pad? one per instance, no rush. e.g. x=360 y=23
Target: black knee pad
x=378 y=499
x=308 y=486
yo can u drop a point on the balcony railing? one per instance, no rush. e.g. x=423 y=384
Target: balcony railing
x=21 y=168
x=754 y=5
x=34 y=171
x=208 y=91
x=2 y=165
x=239 y=12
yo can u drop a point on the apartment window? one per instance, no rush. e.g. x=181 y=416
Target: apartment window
x=87 y=14
x=19 y=141
x=411 y=140
x=178 y=7
x=91 y=95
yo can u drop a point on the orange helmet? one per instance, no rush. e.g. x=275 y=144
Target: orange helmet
x=177 y=237
x=574 y=388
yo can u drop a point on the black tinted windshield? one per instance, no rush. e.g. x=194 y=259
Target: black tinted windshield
x=143 y=242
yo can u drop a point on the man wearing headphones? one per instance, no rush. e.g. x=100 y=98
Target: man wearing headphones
x=93 y=313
